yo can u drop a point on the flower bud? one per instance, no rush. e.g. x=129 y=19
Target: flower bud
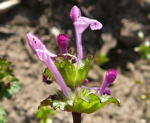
x=110 y=76
x=63 y=42
x=8 y=84
x=46 y=80
x=86 y=81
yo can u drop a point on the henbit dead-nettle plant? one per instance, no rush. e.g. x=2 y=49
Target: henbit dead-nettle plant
x=70 y=72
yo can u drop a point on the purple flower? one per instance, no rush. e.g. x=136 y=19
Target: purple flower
x=81 y=24
x=45 y=56
x=109 y=78
x=63 y=42
x=111 y=75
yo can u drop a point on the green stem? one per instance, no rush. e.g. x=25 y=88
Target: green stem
x=76 y=117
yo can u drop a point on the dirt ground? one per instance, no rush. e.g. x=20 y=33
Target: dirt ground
x=121 y=20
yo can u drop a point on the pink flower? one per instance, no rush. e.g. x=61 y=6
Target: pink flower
x=109 y=78
x=46 y=56
x=81 y=24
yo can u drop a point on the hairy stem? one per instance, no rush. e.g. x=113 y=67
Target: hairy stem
x=76 y=117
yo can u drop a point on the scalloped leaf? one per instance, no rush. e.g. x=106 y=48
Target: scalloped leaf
x=86 y=102
x=94 y=103
x=73 y=73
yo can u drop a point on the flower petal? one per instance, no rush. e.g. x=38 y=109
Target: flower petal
x=95 y=25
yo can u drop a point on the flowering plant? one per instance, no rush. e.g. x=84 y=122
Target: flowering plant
x=8 y=82
x=70 y=72
x=8 y=85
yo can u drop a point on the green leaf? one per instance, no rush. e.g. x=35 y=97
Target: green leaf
x=48 y=74
x=43 y=114
x=144 y=51
x=2 y=115
x=101 y=59
x=73 y=73
x=95 y=102
x=83 y=102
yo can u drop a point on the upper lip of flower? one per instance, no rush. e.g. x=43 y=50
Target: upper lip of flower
x=37 y=45
x=75 y=13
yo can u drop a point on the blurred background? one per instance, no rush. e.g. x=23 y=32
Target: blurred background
x=123 y=43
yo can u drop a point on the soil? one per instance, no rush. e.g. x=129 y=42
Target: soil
x=118 y=38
